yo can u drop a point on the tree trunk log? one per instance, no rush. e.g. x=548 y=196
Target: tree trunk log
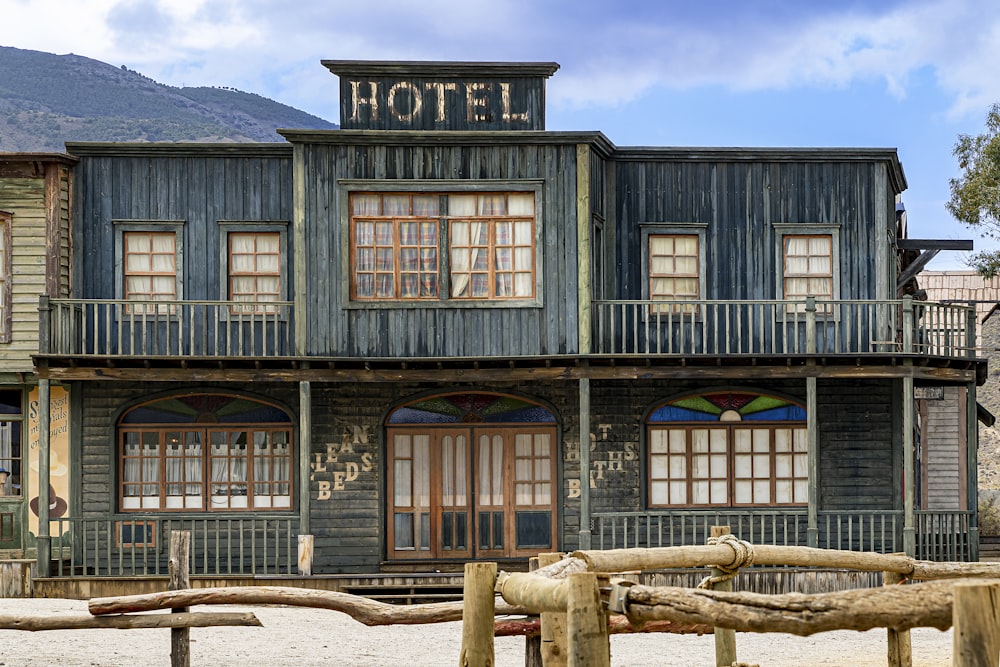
x=617 y=625
x=895 y=607
x=186 y=620
x=363 y=610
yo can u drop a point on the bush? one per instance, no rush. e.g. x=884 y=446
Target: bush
x=989 y=515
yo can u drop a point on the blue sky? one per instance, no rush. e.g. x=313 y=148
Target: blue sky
x=910 y=74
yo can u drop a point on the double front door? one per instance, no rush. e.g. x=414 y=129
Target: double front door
x=471 y=492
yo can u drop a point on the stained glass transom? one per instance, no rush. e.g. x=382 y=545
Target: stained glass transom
x=472 y=408
x=723 y=406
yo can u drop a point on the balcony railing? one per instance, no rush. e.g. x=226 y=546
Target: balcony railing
x=727 y=328
x=138 y=545
x=166 y=328
x=79 y=327
x=940 y=536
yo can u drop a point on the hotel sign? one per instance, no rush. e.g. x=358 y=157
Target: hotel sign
x=441 y=96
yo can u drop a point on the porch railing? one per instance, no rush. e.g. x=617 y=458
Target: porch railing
x=940 y=536
x=166 y=328
x=722 y=328
x=138 y=545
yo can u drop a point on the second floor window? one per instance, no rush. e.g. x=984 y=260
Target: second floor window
x=808 y=266
x=401 y=241
x=673 y=267
x=150 y=266
x=254 y=269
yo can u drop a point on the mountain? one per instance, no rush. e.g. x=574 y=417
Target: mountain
x=47 y=100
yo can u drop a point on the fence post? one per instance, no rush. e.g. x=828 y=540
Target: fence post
x=810 y=325
x=533 y=643
x=725 y=638
x=305 y=555
x=976 y=625
x=478 y=611
x=553 y=629
x=900 y=647
x=586 y=623
x=180 y=579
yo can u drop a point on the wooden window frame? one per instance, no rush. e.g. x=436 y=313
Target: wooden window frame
x=731 y=473
x=651 y=230
x=785 y=231
x=442 y=188
x=149 y=528
x=229 y=228
x=206 y=483
x=124 y=227
x=6 y=276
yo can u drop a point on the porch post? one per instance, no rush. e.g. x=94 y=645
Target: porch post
x=305 y=449
x=972 y=467
x=909 y=478
x=972 y=440
x=812 y=442
x=44 y=540
x=585 y=533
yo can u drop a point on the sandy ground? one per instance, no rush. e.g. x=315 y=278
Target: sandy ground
x=300 y=637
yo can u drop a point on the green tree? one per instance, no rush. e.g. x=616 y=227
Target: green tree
x=975 y=195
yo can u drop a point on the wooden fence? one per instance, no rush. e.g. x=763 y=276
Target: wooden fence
x=580 y=603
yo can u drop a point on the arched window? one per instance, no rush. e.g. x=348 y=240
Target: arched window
x=727 y=448
x=205 y=453
x=471 y=475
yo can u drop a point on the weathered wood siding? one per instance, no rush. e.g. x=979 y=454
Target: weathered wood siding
x=199 y=186
x=942 y=455
x=30 y=255
x=438 y=331
x=740 y=201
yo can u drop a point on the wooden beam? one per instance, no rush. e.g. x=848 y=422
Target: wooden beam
x=882 y=370
x=934 y=244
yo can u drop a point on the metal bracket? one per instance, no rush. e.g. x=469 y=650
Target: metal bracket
x=618 y=595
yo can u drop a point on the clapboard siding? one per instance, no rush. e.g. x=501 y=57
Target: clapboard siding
x=24 y=199
x=197 y=186
x=943 y=452
x=442 y=330
x=740 y=201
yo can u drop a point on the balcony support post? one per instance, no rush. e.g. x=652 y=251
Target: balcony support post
x=909 y=478
x=305 y=450
x=972 y=467
x=44 y=539
x=585 y=532
x=812 y=443
x=810 y=325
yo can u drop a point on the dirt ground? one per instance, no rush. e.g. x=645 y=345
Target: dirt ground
x=300 y=637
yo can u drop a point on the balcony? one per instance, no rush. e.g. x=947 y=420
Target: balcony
x=114 y=328
x=79 y=328
x=781 y=328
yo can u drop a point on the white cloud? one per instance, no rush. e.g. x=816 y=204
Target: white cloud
x=611 y=52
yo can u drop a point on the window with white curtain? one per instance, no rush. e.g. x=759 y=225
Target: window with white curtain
x=807 y=265
x=208 y=466
x=150 y=260
x=674 y=268
x=254 y=270
x=397 y=240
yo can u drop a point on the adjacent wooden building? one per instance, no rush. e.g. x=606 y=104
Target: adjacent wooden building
x=35 y=260
x=444 y=333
